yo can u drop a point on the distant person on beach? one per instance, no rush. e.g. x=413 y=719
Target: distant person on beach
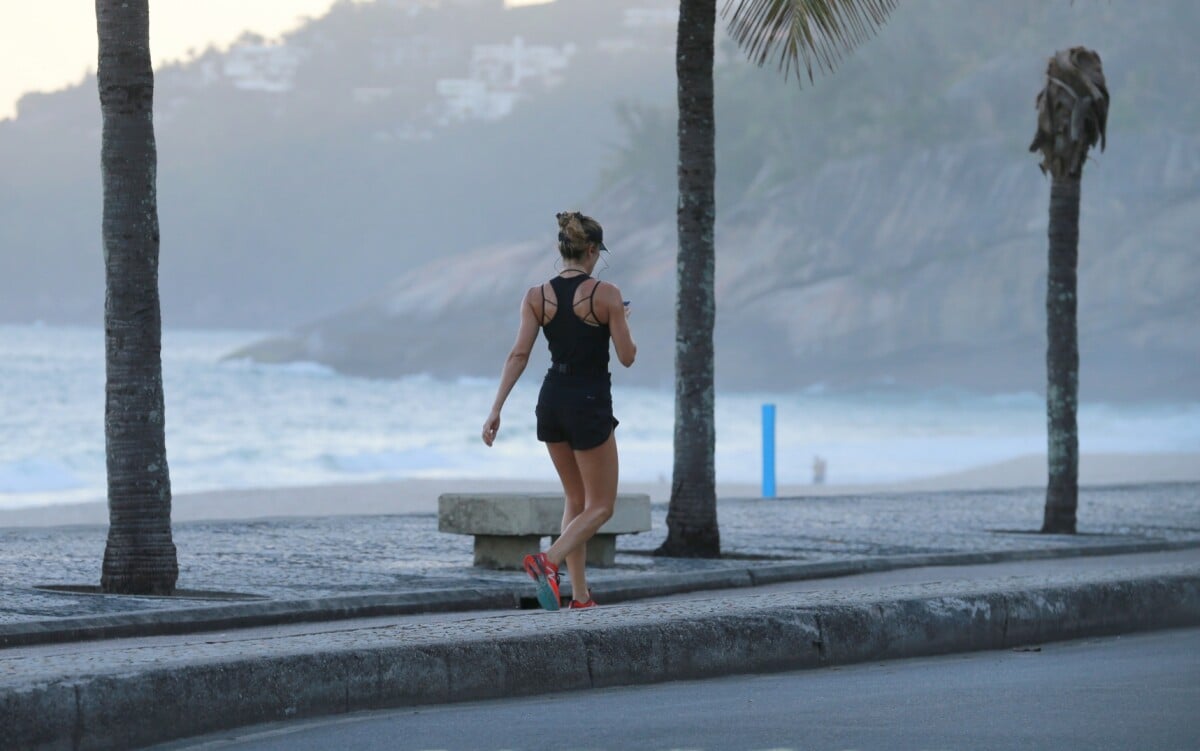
x=578 y=314
x=818 y=471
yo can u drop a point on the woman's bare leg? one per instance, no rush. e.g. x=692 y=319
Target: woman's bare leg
x=598 y=469
x=572 y=482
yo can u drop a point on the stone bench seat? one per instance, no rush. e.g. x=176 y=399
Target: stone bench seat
x=508 y=526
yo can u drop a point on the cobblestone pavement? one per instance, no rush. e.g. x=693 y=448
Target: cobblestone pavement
x=31 y=665
x=312 y=557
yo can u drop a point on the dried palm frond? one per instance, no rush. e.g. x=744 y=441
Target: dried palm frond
x=809 y=32
x=1072 y=111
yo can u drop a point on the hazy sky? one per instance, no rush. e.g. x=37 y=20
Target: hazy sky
x=49 y=44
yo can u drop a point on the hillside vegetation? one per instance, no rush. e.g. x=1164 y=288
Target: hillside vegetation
x=884 y=226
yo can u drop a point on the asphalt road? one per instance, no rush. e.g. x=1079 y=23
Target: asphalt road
x=1134 y=692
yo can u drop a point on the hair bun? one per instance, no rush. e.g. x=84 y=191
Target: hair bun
x=576 y=233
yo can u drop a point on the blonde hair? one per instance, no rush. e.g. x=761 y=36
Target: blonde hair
x=576 y=232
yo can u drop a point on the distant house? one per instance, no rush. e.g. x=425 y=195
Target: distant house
x=470 y=99
x=497 y=74
x=262 y=66
x=514 y=63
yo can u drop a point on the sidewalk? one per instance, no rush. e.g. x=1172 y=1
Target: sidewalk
x=342 y=613
x=127 y=693
x=321 y=568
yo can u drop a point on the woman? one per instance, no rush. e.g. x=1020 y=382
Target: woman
x=578 y=314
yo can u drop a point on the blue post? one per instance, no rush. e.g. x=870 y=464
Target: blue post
x=768 y=442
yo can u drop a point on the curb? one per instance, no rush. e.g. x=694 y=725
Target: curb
x=762 y=574
x=280 y=612
x=126 y=708
x=250 y=615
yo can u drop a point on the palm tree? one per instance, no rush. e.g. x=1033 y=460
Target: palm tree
x=140 y=555
x=1072 y=116
x=803 y=32
x=692 y=516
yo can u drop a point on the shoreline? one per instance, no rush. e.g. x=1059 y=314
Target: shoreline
x=417 y=496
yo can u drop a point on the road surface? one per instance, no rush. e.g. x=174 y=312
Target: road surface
x=1133 y=692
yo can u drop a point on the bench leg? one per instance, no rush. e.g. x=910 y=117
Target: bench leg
x=504 y=552
x=601 y=550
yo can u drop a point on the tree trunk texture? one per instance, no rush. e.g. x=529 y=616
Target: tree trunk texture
x=692 y=516
x=140 y=556
x=1062 y=358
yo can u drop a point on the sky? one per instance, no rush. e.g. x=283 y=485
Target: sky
x=46 y=45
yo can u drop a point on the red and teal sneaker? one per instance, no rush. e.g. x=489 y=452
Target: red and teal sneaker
x=545 y=575
x=581 y=604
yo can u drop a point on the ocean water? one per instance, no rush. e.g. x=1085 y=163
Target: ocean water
x=235 y=424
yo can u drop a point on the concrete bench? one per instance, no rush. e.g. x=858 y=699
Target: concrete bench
x=508 y=526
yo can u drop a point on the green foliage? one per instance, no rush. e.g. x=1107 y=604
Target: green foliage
x=644 y=162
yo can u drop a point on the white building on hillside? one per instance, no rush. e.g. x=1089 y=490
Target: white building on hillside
x=510 y=65
x=498 y=72
x=259 y=66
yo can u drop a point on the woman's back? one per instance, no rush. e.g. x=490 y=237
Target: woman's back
x=578 y=340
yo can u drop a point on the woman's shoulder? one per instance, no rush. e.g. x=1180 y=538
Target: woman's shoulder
x=607 y=291
x=533 y=296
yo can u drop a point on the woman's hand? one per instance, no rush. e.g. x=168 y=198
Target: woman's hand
x=491 y=427
x=608 y=302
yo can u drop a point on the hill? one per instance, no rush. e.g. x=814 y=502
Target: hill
x=382 y=184
x=884 y=227
x=297 y=177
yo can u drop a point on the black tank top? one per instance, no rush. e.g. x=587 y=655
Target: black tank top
x=576 y=348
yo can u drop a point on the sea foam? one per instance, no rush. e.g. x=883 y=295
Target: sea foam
x=233 y=425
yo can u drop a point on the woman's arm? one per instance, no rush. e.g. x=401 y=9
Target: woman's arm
x=612 y=307
x=514 y=365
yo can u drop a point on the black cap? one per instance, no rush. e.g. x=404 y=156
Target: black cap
x=596 y=237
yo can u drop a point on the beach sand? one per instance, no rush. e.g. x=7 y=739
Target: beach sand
x=420 y=495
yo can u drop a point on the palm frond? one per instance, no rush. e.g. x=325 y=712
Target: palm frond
x=1072 y=111
x=808 y=33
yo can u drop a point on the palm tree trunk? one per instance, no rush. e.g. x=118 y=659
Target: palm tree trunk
x=692 y=517
x=1062 y=358
x=140 y=555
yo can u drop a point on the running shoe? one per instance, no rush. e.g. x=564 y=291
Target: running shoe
x=545 y=575
x=577 y=605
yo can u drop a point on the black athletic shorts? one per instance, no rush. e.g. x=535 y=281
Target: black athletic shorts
x=575 y=410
